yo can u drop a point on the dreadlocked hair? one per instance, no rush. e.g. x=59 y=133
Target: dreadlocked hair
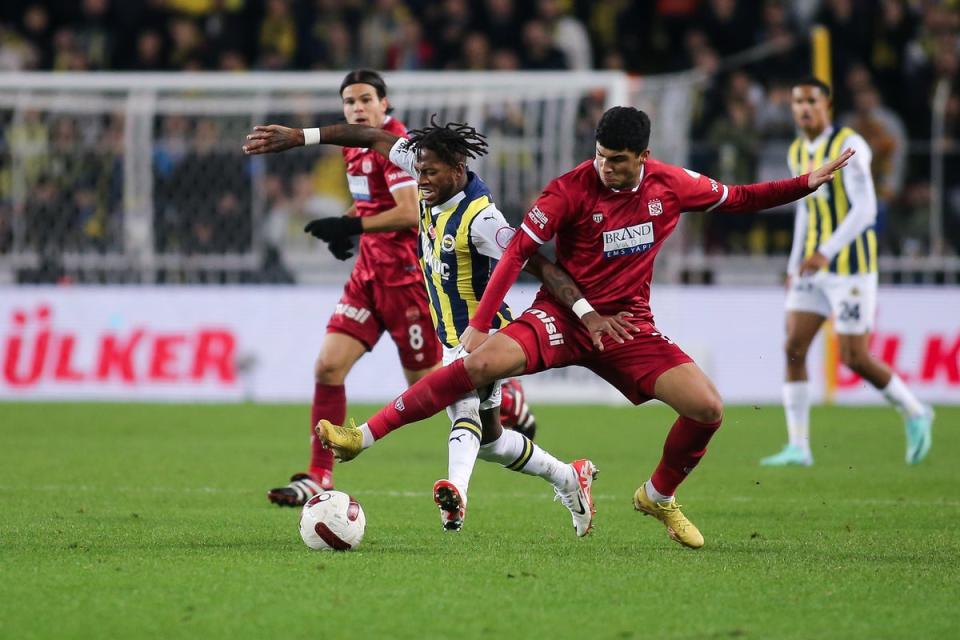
x=453 y=142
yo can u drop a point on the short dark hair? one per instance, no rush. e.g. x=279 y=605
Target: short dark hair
x=812 y=81
x=365 y=76
x=453 y=142
x=624 y=128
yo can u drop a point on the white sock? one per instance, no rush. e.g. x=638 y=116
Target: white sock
x=462 y=448
x=899 y=395
x=796 y=406
x=655 y=495
x=515 y=451
x=367 y=435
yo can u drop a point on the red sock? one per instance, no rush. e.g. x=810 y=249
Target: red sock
x=330 y=403
x=428 y=396
x=686 y=443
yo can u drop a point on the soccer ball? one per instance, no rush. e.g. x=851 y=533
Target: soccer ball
x=332 y=521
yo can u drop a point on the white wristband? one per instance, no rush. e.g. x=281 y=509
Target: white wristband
x=311 y=136
x=581 y=307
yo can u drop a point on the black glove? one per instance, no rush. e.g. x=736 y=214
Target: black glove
x=341 y=249
x=335 y=230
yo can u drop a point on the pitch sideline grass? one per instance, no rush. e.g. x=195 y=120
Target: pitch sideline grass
x=150 y=521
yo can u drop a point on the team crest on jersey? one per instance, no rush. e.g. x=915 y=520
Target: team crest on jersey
x=654 y=207
x=636 y=238
x=367 y=165
x=598 y=217
x=413 y=314
x=447 y=243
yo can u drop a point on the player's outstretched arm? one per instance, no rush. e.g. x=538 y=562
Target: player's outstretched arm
x=562 y=287
x=274 y=138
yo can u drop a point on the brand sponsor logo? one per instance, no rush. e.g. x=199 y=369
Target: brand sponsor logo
x=628 y=240
x=354 y=313
x=554 y=336
x=35 y=352
x=714 y=186
x=598 y=217
x=397 y=176
x=447 y=243
x=654 y=207
x=359 y=187
x=937 y=359
x=438 y=266
x=538 y=217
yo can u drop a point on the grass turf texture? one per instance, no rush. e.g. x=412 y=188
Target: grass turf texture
x=151 y=521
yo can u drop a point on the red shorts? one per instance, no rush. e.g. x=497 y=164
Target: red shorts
x=551 y=336
x=367 y=309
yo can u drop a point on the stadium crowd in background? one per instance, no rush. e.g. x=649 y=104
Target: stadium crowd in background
x=888 y=57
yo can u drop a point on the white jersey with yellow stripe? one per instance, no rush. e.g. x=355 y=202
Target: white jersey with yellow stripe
x=859 y=195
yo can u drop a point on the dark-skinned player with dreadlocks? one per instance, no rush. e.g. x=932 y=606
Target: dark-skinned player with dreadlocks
x=462 y=235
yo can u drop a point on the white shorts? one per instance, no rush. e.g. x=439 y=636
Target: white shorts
x=851 y=300
x=455 y=353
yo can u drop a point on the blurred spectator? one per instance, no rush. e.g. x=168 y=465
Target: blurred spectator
x=38 y=30
x=569 y=35
x=94 y=34
x=501 y=24
x=728 y=25
x=410 y=51
x=379 y=24
x=884 y=132
x=278 y=36
x=539 y=52
x=150 y=52
x=476 y=52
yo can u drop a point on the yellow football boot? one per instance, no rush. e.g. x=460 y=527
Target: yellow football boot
x=679 y=528
x=346 y=441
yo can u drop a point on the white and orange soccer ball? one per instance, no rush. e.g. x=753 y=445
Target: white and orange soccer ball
x=332 y=521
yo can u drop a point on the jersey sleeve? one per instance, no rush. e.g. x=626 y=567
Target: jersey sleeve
x=697 y=192
x=491 y=233
x=547 y=213
x=401 y=169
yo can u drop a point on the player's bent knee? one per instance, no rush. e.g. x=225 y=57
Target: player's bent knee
x=710 y=411
x=481 y=368
x=329 y=370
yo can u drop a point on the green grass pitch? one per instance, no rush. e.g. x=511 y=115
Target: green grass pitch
x=130 y=521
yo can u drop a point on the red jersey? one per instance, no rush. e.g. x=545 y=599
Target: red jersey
x=607 y=240
x=390 y=258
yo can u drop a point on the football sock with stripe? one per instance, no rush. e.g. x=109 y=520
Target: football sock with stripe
x=516 y=452
x=329 y=402
x=462 y=448
x=796 y=407
x=685 y=445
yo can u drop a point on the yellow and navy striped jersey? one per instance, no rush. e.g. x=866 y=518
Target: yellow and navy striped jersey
x=455 y=270
x=828 y=206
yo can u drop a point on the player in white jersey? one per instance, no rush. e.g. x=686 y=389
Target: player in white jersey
x=833 y=271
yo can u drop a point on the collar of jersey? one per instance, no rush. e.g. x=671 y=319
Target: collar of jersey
x=820 y=139
x=452 y=202
x=643 y=171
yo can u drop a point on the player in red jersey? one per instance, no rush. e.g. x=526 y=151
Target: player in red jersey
x=610 y=216
x=385 y=291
